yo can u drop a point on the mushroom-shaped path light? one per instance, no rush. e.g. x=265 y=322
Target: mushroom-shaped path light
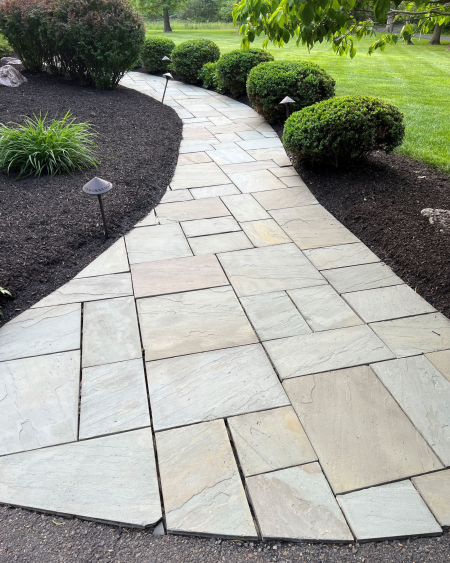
x=286 y=101
x=97 y=187
x=168 y=77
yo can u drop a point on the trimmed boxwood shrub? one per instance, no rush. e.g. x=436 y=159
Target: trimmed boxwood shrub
x=155 y=48
x=304 y=82
x=233 y=68
x=343 y=129
x=208 y=77
x=189 y=57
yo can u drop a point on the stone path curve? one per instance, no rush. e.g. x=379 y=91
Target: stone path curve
x=291 y=386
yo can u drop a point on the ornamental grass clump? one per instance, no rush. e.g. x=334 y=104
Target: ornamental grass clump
x=51 y=147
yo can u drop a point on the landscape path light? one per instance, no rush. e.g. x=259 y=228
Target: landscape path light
x=97 y=187
x=168 y=77
x=286 y=101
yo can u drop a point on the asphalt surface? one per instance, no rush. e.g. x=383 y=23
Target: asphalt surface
x=30 y=537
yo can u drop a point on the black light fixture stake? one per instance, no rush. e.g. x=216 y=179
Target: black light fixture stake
x=286 y=101
x=168 y=77
x=97 y=187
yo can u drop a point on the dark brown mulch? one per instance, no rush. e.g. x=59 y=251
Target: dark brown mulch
x=49 y=229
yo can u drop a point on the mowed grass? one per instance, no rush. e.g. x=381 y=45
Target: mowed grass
x=416 y=78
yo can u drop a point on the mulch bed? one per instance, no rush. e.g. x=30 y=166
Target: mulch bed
x=50 y=229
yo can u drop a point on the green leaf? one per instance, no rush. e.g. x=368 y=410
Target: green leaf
x=307 y=14
x=380 y=10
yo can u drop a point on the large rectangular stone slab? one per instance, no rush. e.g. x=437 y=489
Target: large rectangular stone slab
x=278 y=155
x=297 y=504
x=245 y=208
x=341 y=256
x=434 y=488
x=161 y=242
x=112 y=261
x=229 y=155
x=270 y=440
x=360 y=278
x=286 y=197
x=40 y=331
x=225 y=242
x=211 y=385
x=327 y=350
x=311 y=226
x=198 y=176
x=268 y=269
x=210 y=226
x=359 y=432
x=197 y=321
x=256 y=181
x=113 y=399
x=110 y=332
x=191 y=210
x=39 y=405
x=214 y=191
x=424 y=395
x=265 y=232
x=441 y=360
x=177 y=275
x=390 y=511
x=111 y=479
x=172 y=196
x=202 y=490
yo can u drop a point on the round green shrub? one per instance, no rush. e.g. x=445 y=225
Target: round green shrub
x=208 y=77
x=155 y=48
x=304 y=82
x=189 y=57
x=233 y=68
x=343 y=129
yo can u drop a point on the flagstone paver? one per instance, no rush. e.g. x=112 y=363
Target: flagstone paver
x=389 y=511
x=278 y=155
x=245 y=208
x=441 y=360
x=225 y=242
x=191 y=210
x=293 y=181
x=210 y=226
x=150 y=219
x=202 y=490
x=362 y=277
x=160 y=242
x=249 y=166
x=265 y=232
x=229 y=155
x=256 y=181
x=193 y=158
x=172 y=196
x=297 y=504
x=112 y=261
x=286 y=197
x=198 y=176
x=435 y=491
x=214 y=191
x=341 y=256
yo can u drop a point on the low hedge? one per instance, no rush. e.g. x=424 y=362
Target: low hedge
x=189 y=57
x=154 y=50
x=233 y=68
x=343 y=129
x=304 y=82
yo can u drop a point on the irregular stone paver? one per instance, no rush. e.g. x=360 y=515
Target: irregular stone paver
x=323 y=351
x=348 y=415
x=245 y=208
x=112 y=261
x=191 y=210
x=389 y=511
x=256 y=181
x=211 y=385
x=172 y=196
x=197 y=321
x=286 y=197
x=161 y=242
x=434 y=488
x=113 y=399
x=39 y=401
x=311 y=226
x=41 y=331
x=297 y=504
x=210 y=226
x=198 y=176
x=415 y=335
x=424 y=395
x=359 y=278
x=202 y=490
x=80 y=290
x=387 y=303
x=441 y=360
x=110 y=332
x=268 y=269
x=270 y=440
x=111 y=479
x=215 y=191
x=274 y=316
x=341 y=256
x=225 y=242
x=265 y=232
x=323 y=309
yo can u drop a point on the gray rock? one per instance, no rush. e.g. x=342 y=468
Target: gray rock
x=9 y=76
x=12 y=61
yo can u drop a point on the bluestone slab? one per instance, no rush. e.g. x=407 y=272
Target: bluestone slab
x=210 y=226
x=161 y=242
x=256 y=181
x=441 y=360
x=112 y=261
x=244 y=207
x=225 y=242
x=191 y=210
x=358 y=278
x=434 y=488
x=198 y=176
x=286 y=197
x=265 y=232
x=341 y=256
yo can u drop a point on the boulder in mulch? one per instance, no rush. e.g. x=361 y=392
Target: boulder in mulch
x=9 y=76
x=13 y=61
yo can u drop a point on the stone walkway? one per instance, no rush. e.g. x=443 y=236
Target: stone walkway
x=249 y=369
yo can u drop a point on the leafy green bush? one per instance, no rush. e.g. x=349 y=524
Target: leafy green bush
x=209 y=78
x=189 y=57
x=343 y=129
x=304 y=82
x=233 y=68
x=39 y=147
x=5 y=47
x=155 y=48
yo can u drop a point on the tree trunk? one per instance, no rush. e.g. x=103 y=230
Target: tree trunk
x=390 y=24
x=167 y=27
x=436 y=39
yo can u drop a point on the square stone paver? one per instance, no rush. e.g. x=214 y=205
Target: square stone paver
x=268 y=269
x=197 y=321
x=311 y=226
x=214 y=191
x=359 y=278
x=359 y=432
x=265 y=232
x=177 y=275
x=112 y=261
x=327 y=350
x=191 y=210
x=113 y=399
x=323 y=308
x=210 y=385
x=287 y=197
x=161 y=242
x=389 y=511
x=110 y=332
x=424 y=395
x=274 y=316
x=415 y=335
x=229 y=155
x=111 y=479
x=172 y=196
x=201 y=486
x=198 y=176
x=257 y=181
x=245 y=208
x=341 y=256
x=210 y=226
x=434 y=488
x=225 y=242
x=297 y=504
x=270 y=440
x=39 y=398
x=41 y=331
x=441 y=360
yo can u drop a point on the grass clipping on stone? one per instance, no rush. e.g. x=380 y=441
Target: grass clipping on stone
x=40 y=146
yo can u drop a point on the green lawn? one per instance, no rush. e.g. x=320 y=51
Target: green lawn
x=416 y=78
